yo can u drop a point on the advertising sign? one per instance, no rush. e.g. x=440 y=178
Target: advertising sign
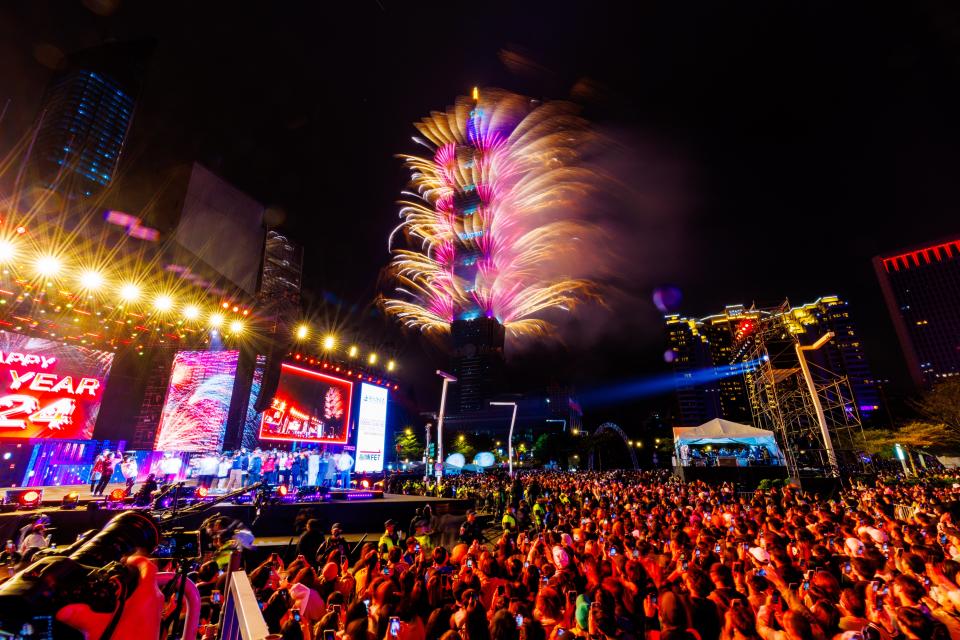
x=371 y=428
x=49 y=390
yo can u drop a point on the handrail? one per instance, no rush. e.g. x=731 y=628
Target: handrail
x=241 y=618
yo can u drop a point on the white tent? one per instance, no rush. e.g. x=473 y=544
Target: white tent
x=719 y=431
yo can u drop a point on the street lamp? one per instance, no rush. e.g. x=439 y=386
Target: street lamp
x=817 y=407
x=513 y=421
x=447 y=379
x=558 y=420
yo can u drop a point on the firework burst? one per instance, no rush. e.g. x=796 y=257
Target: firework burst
x=488 y=217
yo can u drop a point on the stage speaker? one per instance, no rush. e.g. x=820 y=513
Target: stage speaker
x=271 y=377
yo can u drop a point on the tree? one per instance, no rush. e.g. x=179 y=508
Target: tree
x=941 y=406
x=407 y=446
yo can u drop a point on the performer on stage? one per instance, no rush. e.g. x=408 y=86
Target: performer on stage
x=344 y=465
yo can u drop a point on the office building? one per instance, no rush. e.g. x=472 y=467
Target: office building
x=706 y=351
x=921 y=287
x=85 y=117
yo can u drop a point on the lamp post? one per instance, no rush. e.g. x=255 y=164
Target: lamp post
x=817 y=407
x=558 y=420
x=447 y=379
x=513 y=421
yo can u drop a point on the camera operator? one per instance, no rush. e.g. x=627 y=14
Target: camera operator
x=140 y=617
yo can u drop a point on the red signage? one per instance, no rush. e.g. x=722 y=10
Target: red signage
x=50 y=393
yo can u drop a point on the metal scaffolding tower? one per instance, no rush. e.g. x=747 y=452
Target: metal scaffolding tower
x=810 y=409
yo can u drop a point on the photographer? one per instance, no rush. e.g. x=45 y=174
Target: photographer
x=140 y=617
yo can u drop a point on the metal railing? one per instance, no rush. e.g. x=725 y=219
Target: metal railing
x=241 y=618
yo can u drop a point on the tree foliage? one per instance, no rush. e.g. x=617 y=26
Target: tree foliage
x=408 y=447
x=937 y=430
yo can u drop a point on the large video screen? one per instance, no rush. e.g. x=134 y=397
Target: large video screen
x=195 y=411
x=308 y=407
x=371 y=428
x=50 y=390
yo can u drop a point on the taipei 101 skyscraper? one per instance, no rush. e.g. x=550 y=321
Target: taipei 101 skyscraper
x=483 y=221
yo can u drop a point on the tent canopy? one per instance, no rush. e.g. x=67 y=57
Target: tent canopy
x=719 y=431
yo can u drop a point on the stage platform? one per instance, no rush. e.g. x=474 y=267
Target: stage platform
x=356 y=516
x=746 y=478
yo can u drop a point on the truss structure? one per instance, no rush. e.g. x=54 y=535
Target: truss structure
x=781 y=401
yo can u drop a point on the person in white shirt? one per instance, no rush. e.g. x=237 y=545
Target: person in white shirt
x=35 y=539
x=313 y=467
x=223 y=472
x=129 y=470
x=344 y=465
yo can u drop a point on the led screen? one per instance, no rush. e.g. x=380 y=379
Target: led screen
x=308 y=407
x=371 y=428
x=195 y=412
x=48 y=389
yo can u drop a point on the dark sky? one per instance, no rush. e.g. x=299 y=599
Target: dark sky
x=777 y=146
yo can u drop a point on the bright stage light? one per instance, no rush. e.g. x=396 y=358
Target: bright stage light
x=372 y=359
x=163 y=303
x=353 y=351
x=7 y=251
x=329 y=342
x=236 y=327
x=302 y=332
x=129 y=292
x=48 y=266
x=91 y=279
x=216 y=320
x=391 y=365
x=191 y=312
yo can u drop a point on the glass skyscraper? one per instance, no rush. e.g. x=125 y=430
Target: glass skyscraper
x=922 y=291
x=86 y=115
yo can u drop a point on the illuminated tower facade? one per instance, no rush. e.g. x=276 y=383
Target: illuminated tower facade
x=86 y=115
x=921 y=287
x=477 y=335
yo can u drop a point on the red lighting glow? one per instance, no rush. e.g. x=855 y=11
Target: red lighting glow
x=282 y=490
x=202 y=492
x=927 y=255
x=117 y=495
x=30 y=498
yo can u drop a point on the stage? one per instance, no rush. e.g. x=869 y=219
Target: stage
x=355 y=515
x=747 y=478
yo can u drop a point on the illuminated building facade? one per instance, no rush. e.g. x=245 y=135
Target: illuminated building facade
x=717 y=341
x=703 y=343
x=478 y=337
x=86 y=115
x=922 y=291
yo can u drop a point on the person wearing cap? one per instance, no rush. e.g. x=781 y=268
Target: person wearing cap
x=389 y=539
x=335 y=542
x=310 y=541
x=509 y=520
x=470 y=530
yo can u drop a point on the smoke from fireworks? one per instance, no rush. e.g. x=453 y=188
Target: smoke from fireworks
x=488 y=221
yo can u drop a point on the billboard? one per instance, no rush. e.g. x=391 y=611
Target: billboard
x=371 y=428
x=308 y=407
x=48 y=389
x=194 y=415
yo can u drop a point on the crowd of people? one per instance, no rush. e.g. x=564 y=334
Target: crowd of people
x=624 y=556
x=629 y=556
x=305 y=467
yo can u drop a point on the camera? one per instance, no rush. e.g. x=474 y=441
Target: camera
x=87 y=572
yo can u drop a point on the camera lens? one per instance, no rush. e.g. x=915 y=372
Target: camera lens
x=122 y=536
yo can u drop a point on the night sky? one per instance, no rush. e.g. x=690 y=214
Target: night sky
x=773 y=148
